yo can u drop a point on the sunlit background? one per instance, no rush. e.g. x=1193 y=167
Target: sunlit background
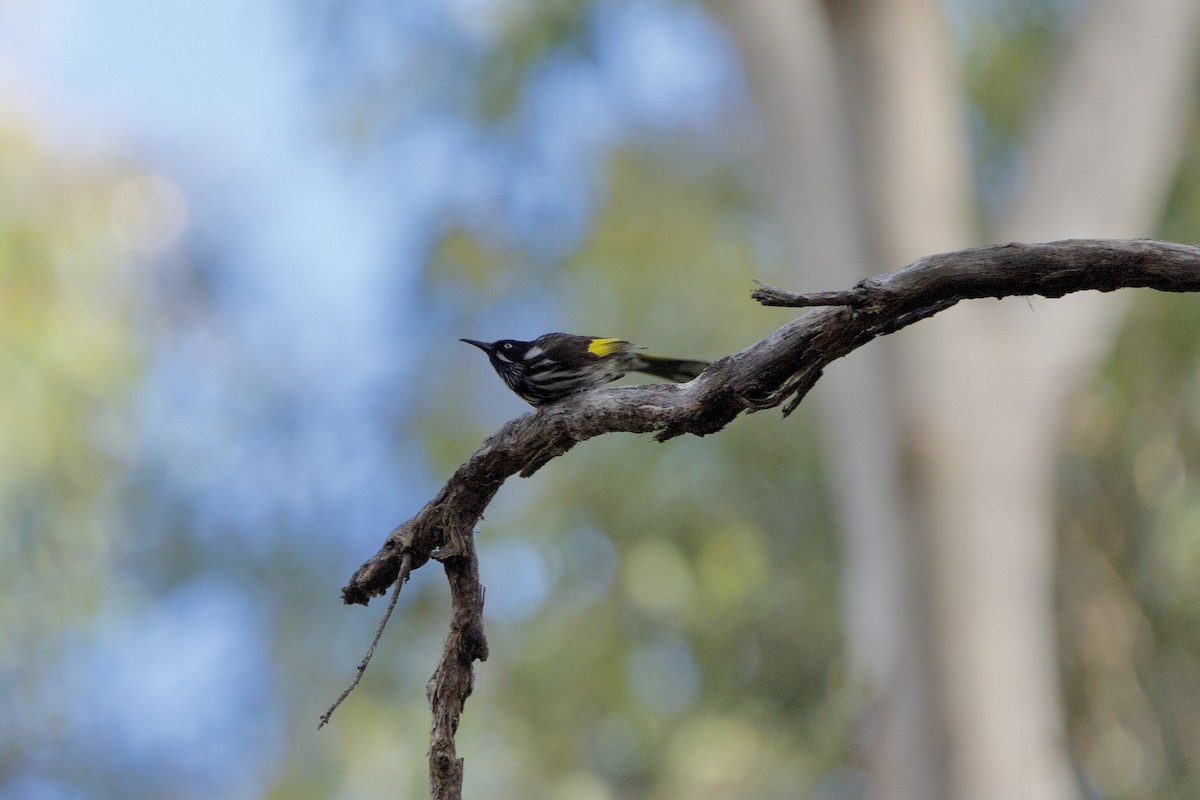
x=238 y=242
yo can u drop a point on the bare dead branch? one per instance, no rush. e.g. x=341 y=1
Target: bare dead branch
x=783 y=366
x=454 y=678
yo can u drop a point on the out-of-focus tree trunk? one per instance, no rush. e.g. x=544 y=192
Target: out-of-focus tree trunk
x=952 y=623
x=915 y=179
x=990 y=382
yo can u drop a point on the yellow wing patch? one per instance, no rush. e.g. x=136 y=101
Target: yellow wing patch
x=606 y=347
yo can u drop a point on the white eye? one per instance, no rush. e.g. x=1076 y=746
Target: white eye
x=508 y=345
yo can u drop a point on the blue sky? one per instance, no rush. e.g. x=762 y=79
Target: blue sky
x=264 y=412
x=217 y=97
x=281 y=379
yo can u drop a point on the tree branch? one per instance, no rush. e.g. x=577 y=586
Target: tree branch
x=781 y=367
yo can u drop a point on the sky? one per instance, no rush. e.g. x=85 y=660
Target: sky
x=222 y=108
x=213 y=104
x=214 y=101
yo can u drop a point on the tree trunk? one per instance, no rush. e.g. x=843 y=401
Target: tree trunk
x=990 y=383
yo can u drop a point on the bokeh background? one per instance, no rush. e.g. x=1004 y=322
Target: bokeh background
x=238 y=242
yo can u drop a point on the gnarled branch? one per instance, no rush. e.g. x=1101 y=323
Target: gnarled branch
x=780 y=368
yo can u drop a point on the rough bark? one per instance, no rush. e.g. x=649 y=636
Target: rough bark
x=778 y=370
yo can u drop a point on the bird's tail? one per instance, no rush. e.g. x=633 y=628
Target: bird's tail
x=679 y=370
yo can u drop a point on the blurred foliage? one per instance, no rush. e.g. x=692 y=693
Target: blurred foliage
x=532 y=32
x=1129 y=552
x=1130 y=560
x=1008 y=56
x=685 y=638
x=708 y=647
x=689 y=633
x=663 y=618
x=67 y=360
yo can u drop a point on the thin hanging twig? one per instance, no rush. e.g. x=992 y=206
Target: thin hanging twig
x=405 y=567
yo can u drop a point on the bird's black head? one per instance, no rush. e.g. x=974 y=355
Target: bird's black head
x=508 y=350
x=507 y=357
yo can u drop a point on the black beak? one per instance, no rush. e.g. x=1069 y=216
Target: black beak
x=484 y=346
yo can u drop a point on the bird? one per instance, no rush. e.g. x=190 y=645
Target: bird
x=557 y=365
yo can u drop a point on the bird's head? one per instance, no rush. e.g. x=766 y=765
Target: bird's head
x=507 y=356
